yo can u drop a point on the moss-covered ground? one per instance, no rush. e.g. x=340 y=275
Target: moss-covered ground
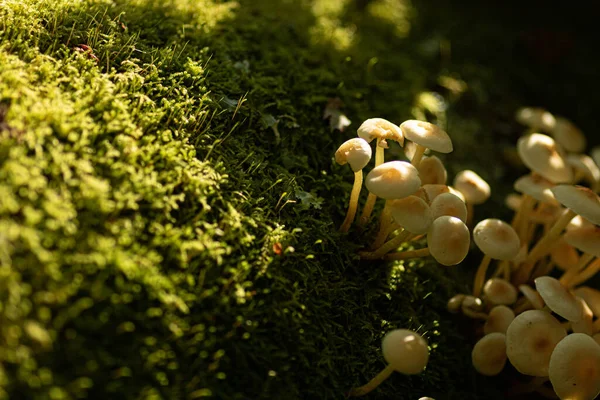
x=169 y=202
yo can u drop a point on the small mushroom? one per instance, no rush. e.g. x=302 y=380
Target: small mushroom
x=575 y=368
x=568 y=135
x=426 y=136
x=536 y=118
x=405 y=351
x=541 y=154
x=455 y=303
x=498 y=241
x=558 y=298
x=489 y=354
x=448 y=204
x=530 y=340
x=472 y=307
x=474 y=188
x=498 y=320
x=500 y=291
x=357 y=153
x=432 y=171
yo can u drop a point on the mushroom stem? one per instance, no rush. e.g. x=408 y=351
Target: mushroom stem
x=527 y=203
x=373 y=383
x=379 y=159
x=419 y=151
x=543 y=246
x=584 y=275
x=573 y=272
x=408 y=254
x=367 y=210
x=385 y=220
x=386 y=247
x=480 y=275
x=353 y=205
x=384 y=234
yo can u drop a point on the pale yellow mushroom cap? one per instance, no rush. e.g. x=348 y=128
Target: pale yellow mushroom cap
x=393 y=180
x=558 y=298
x=412 y=213
x=427 y=135
x=448 y=240
x=448 y=204
x=536 y=117
x=579 y=199
x=457 y=193
x=489 y=354
x=498 y=320
x=455 y=303
x=585 y=325
x=500 y=291
x=537 y=187
x=534 y=297
x=432 y=171
x=591 y=297
x=356 y=152
x=564 y=255
x=530 y=340
x=432 y=191
x=585 y=238
x=568 y=135
x=475 y=189
x=380 y=128
x=575 y=368
x=541 y=154
x=513 y=201
x=585 y=166
x=497 y=239
x=406 y=351
x=472 y=307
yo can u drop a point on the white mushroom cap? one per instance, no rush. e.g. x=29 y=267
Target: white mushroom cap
x=536 y=117
x=489 y=354
x=393 y=180
x=500 y=291
x=585 y=238
x=530 y=340
x=472 y=307
x=380 y=128
x=406 y=351
x=497 y=239
x=427 y=135
x=412 y=213
x=448 y=240
x=475 y=189
x=575 y=368
x=499 y=320
x=568 y=135
x=534 y=297
x=585 y=166
x=564 y=255
x=448 y=204
x=558 y=298
x=579 y=199
x=537 y=187
x=455 y=303
x=457 y=193
x=541 y=154
x=432 y=171
x=513 y=201
x=585 y=325
x=355 y=152
x=591 y=297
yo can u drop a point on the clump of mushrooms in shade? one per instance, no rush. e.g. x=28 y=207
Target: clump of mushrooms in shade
x=529 y=291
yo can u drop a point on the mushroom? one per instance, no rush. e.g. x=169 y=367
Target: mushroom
x=558 y=298
x=472 y=307
x=498 y=320
x=432 y=171
x=585 y=325
x=474 y=188
x=357 y=153
x=500 y=291
x=536 y=118
x=535 y=188
x=448 y=204
x=448 y=241
x=489 y=354
x=405 y=351
x=455 y=303
x=585 y=169
x=578 y=200
x=426 y=136
x=530 y=340
x=532 y=298
x=575 y=368
x=587 y=239
x=541 y=154
x=382 y=130
x=568 y=135
x=497 y=240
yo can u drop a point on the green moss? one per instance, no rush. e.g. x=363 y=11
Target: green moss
x=169 y=202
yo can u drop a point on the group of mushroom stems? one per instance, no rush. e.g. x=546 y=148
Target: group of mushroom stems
x=529 y=289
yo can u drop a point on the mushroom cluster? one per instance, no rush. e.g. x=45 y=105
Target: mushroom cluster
x=419 y=207
x=535 y=312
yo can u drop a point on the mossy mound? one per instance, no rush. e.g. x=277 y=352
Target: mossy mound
x=169 y=202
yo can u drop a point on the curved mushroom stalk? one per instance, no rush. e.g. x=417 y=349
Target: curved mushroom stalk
x=353 y=205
